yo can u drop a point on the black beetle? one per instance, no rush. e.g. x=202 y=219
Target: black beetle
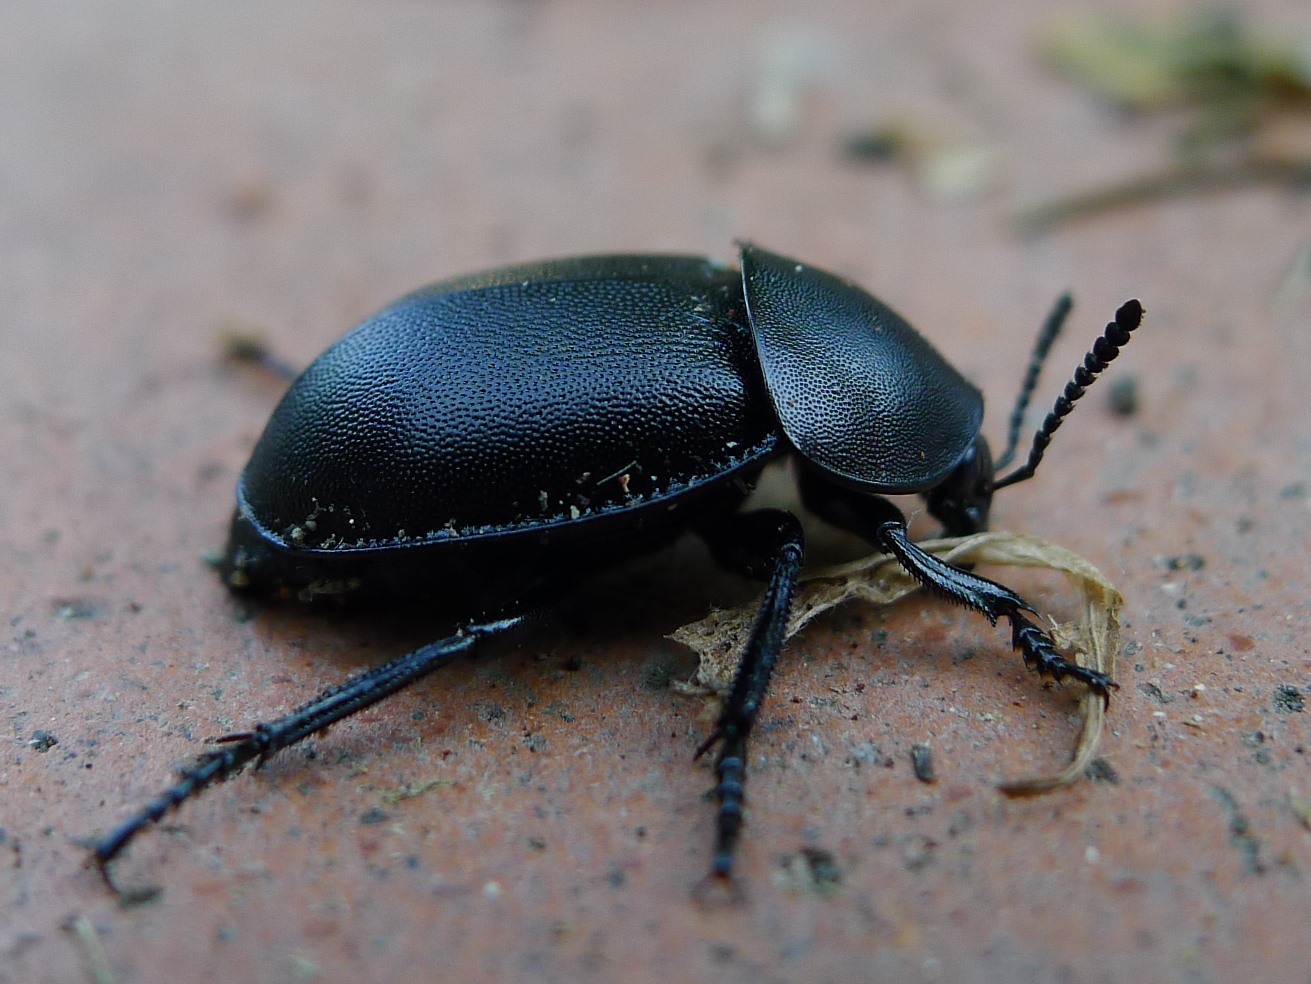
x=491 y=439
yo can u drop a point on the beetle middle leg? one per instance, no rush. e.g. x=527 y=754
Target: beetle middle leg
x=882 y=524
x=239 y=749
x=767 y=543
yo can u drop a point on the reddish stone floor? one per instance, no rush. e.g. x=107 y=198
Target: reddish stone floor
x=174 y=171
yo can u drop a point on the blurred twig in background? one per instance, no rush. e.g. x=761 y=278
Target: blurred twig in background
x=1244 y=102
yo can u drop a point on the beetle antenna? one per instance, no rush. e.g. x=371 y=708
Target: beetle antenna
x=1103 y=353
x=1051 y=330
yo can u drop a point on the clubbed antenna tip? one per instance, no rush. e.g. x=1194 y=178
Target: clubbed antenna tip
x=1102 y=354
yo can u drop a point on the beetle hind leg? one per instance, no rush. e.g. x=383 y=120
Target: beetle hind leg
x=766 y=544
x=240 y=749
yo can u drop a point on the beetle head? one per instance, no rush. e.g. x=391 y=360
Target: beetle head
x=962 y=500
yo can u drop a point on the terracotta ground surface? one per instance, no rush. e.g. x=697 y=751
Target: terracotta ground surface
x=172 y=171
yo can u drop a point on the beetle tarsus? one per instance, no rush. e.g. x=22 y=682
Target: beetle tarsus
x=730 y=790
x=743 y=545
x=1041 y=655
x=241 y=748
x=208 y=769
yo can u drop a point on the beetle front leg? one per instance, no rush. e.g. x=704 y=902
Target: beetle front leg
x=238 y=750
x=767 y=543
x=993 y=601
x=882 y=524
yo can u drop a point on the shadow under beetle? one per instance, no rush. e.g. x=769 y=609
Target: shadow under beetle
x=489 y=440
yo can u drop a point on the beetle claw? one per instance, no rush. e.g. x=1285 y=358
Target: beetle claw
x=713 y=739
x=1041 y=655
x=718 y=888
